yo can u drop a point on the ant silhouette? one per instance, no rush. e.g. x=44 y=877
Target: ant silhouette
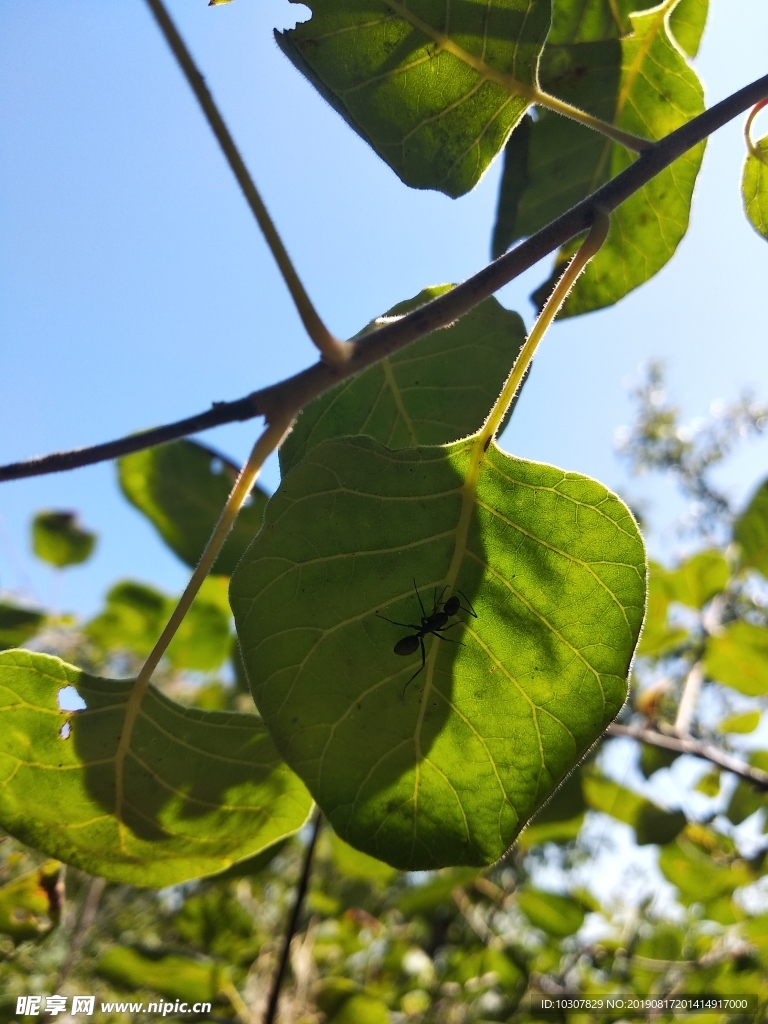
x=434 y=624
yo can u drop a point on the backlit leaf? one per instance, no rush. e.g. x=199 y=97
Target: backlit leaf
x=642 y=84
x=750 y=531
x=652 y=824
x=446 y=768
x=686 y=22
x=739 y=658
x=743 y=723
x=135 y=615
x=754 y=187
x=746 y=799
x=588 y=21
x=435 y=391
x=698 y=877
x=659 y=638
x=60 y=538
x=18 y=624
x=557 y=915
x=196 y=790
x=698 y=579
x=31 y=905
x=436 y=107
x=181 y=488
x=173 y=976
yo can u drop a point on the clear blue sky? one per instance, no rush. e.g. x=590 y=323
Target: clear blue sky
x=135 y=289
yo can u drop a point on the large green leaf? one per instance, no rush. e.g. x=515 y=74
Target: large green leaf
x=643 y=84
x=435 y=88
x=195 y=792
x=739 y=658
x=698 y=579
x=181 y=488
x=435 y=391
x=754 y=187
x=448 y=768
x=588 y=21
x=750 y=531
x=60 y=539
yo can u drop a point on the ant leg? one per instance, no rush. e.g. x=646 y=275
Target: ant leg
x=470 y=610
x=448 y=639
x=419 y=669
x=421 y=605
x=406 y=625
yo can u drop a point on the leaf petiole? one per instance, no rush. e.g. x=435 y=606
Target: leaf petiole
x=588 y=248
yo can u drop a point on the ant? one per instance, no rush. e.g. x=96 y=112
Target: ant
x=436 y=623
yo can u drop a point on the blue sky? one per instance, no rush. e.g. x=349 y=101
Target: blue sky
x=135 y=289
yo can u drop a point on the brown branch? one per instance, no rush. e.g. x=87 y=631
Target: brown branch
x=687 y=745
x=293 y=920
x=295 y=392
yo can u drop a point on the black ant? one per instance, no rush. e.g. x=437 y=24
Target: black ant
x=433 y=624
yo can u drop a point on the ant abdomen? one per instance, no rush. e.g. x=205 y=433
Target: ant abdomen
x=408 y=645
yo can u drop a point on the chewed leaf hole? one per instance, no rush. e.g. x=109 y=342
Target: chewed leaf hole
x=217 y=466
x=70 y=700
x=65 y=730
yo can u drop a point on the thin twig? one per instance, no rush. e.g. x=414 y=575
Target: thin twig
x=84 y=925
x=687 y=745
x=331 y=348
x=293 y=920
x=394 y=335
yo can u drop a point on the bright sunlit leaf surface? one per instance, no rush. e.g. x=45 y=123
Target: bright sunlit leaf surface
x=642 y=84
x=446 y=766
x=200 y=789
x=182 y=488
x=437 y=390
x=754 y=187
x=433 y=86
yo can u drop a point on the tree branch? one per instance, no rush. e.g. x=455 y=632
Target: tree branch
x=293 y=920
x=686 y=745
x=295 y=392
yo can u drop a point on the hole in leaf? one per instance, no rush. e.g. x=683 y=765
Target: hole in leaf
x=70 y=700
x=65 y=730
x=217 y=466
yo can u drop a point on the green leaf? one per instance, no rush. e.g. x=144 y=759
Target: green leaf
x=709 y=784
x=588 y=21
x=754 y=187
x=196 y=791
x=59 y=538
x=437 y=108
x=438 y=891
x=560 y=819
x=182 y=488
x=652 y=824
x=468 y=966
x=172 y=976
x=30 y=906
x=643 y=84
x=653 y=759
x=433 y=392
x=743 y=723
x=658 y=637
x=686 y=22
x=746 y=799
x=136 y=614
x=556 y=915
x=739 y=658
x=343 y=1002
x=354 y=864
x=698 y=579
x=18 y=624
x=750 y=531
x=696 y=874
x=445 y=766
x=132 y=620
